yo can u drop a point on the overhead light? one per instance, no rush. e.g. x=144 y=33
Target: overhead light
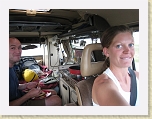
x=29 y=47
x=42 y=10
x=31 y=12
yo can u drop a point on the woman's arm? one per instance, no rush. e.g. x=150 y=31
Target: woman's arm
x=105 y=93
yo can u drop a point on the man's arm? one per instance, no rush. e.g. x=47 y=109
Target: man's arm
x=34 y=92
x=19 y=101
x=29 y=85
x=22 y=86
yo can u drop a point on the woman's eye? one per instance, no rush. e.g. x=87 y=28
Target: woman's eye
x=131 y=45
x=118 y=46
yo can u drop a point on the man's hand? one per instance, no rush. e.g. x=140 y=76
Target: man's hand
x=34 y=92
x=31 y=85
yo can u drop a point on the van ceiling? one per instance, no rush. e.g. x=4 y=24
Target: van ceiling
x=68 y=22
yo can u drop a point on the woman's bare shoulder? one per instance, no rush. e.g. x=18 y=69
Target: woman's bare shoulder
x=103 y=78
x=102 y=82
x=105 y=92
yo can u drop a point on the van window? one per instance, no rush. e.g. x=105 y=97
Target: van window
x=80 y=44
x=136 y=46
x=33 y=52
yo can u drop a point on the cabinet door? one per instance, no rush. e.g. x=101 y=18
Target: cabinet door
x=64 y=91
x=73 y=96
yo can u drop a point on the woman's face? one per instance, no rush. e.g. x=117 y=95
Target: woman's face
x=121 y=51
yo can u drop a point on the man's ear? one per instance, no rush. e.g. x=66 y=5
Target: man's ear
x=105 y=52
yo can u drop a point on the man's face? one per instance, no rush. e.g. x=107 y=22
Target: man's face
x=15 y=51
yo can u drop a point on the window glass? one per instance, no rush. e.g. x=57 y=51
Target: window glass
x=81 y=43
x=33 y=52
x=136 y=46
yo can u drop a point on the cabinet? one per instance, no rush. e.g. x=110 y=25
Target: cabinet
x=67 y=93
x=73 y=95
x=64 y=91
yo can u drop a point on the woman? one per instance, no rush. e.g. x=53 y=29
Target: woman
x=112 y=87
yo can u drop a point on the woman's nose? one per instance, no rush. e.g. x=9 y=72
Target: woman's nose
x=126 y=49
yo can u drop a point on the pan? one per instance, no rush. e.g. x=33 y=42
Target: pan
x=75 y=70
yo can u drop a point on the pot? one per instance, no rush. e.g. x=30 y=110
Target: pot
x=75 y=70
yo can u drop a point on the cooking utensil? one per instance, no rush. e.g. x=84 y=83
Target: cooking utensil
x=75 y=70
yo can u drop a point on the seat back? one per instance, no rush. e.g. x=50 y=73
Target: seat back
x=84 y=92
x=88 y=69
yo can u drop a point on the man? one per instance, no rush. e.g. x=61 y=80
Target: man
x=16 y=95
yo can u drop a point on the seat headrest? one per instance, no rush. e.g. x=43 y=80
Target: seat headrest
x=89 y=68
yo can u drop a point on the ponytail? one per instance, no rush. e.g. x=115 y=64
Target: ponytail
x=105 y=65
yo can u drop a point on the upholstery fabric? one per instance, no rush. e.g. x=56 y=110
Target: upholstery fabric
x=84 y=92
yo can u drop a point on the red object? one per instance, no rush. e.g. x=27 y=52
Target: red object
x=49 y=86
x=43 y=96
x=75 y=70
